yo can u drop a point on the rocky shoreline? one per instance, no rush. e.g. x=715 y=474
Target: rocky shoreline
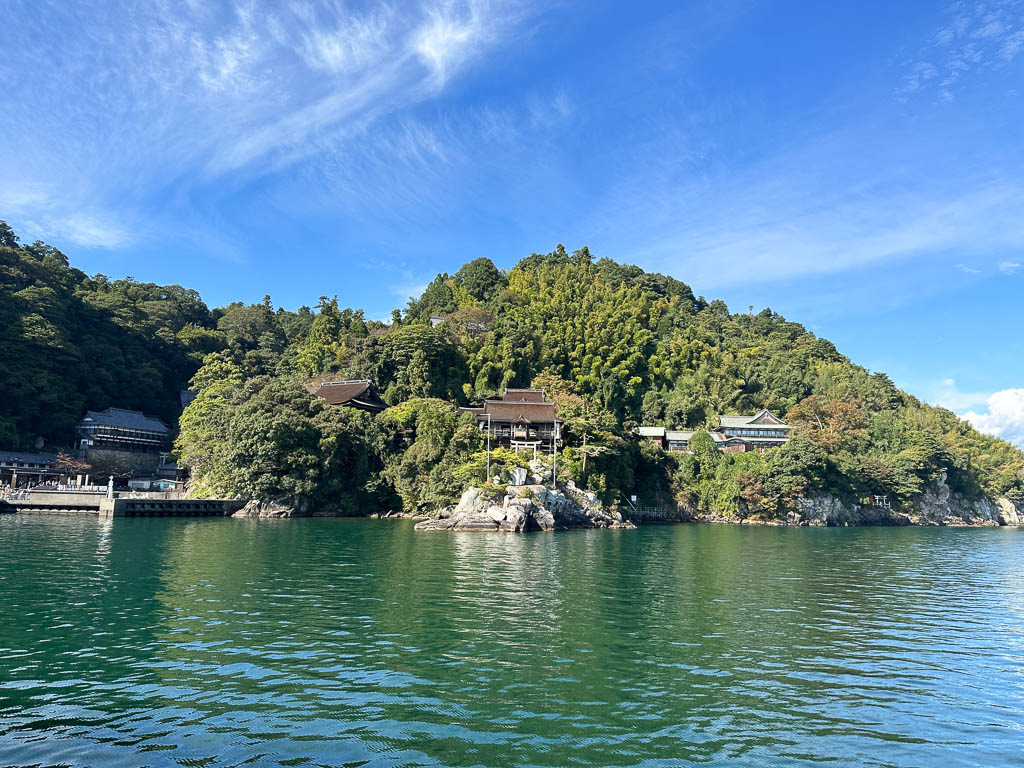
x=538 y=508
x=939 y=506
x=531 y=508
x=288 y=507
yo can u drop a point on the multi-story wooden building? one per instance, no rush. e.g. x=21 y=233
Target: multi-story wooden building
x=522 y=418
x=762 y=430
x=735 y=434
x=122 y=442
x=118 y=429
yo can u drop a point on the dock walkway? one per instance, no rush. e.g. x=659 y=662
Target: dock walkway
x=122 y=505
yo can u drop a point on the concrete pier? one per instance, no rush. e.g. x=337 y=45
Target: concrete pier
x=59 y=502
x=128 y=507
x=123 y=505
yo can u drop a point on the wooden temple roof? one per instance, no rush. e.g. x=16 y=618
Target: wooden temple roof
x=542 y=413
x=357 y=394
x=764 y=417
x=524 y=396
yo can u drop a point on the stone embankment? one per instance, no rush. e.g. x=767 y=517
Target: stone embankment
x=531 y=508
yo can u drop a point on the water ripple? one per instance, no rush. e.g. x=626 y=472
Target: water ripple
x=352 y=642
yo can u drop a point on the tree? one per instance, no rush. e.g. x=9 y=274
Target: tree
x=438 y=462
x=829 y=423
x=271 y=439
x=7 y=237
x=481 y=279
x=413 y=361
x=68 y=465
x=70 y=343
x=322 y=344
x=704 y=449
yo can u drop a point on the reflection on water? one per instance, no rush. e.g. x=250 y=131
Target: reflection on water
x=358 y=642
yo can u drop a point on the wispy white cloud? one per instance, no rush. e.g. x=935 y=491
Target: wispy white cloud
x=40 y=216
x=414 y=170
x=406 y=291
x=1008 y=267
x=90 y=232
x=447 y=38
x=780 y=221
x=183 y=95
x=975 y=36
x=920 y=73
x=968 y=270
x=1003 y=417
x=350 y=44
x=948 y=395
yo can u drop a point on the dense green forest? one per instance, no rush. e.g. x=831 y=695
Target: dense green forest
x=613 y=345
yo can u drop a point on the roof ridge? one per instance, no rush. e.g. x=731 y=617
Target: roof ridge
x=521 y=402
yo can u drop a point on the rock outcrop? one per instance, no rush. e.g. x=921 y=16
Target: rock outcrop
x=288 y=506
x=1010 y=513
x=938 y=506
x=538 y=508
x=284 y=507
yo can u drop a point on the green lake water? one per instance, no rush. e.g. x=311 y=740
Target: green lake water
x=359 y=642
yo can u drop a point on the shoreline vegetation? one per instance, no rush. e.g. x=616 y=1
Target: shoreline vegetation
x=539 y=508
x=612 y=346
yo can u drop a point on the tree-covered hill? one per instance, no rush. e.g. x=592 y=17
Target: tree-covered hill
x=613 y=345
x=70 y=342
x=617 y=347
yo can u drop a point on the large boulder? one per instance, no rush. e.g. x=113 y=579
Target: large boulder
x=284 y=507
x=518 y=517
x=1009 y=513
x=535 y=508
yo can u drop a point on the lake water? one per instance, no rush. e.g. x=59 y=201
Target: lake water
x=359 y=642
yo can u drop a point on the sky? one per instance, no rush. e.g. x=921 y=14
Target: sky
x=855 y=166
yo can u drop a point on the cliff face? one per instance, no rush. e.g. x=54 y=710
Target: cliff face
x=539 y=509
x=288 y=506
x=938 y=506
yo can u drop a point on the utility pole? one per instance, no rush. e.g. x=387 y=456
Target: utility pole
x=584 y=478
x=554 y=463
x=487 y=478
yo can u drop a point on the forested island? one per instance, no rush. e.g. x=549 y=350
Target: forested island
x=613 y=346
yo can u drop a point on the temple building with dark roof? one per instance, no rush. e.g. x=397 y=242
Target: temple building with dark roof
x=119 y=429
x=522 y=418
x=734 y=434
x=18 y=468
x=359 y=393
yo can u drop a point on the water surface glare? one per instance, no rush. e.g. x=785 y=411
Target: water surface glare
x=359 y=642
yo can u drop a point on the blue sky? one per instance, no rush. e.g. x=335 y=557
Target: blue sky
x=856 y=166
